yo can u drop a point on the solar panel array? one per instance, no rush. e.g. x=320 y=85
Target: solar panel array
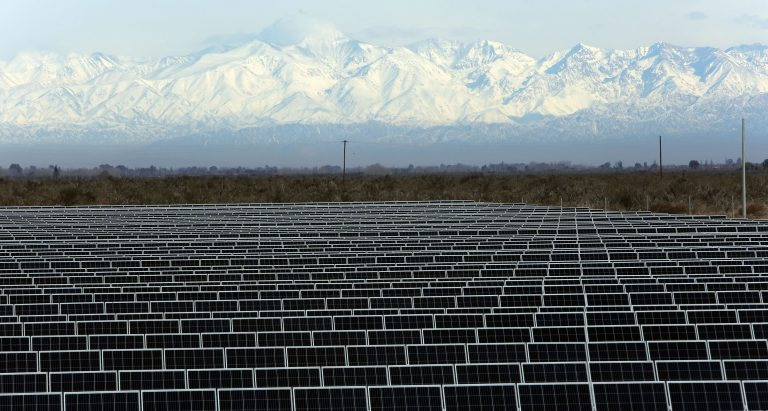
x=381 y=306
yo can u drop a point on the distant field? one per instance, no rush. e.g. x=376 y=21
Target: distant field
x=709 y=193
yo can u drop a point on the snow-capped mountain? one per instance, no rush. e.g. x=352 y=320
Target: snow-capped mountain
x=301 y=71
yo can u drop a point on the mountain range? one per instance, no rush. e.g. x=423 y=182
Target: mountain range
x=302 y=78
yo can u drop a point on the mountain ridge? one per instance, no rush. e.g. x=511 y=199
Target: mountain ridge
x=301 y=71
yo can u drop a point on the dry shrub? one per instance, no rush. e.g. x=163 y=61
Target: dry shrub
x=710 y=192
x=756 y=210
x=669 y=207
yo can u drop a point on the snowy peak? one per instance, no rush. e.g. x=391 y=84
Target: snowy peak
x=300 y=28
x=440 y=52
x=483 y=53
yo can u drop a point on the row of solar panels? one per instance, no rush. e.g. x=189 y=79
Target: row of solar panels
x=36 y=265
x=434 y=297
x=363 y=376
x=502 y=284
x=134 y=258
x=401 y=242
x=652 y=269
x=210 y=290
x=419 y=242
x=678 y=396
x=443 y=219
x=587 y=237
x=41 y=238
x=321 y=275
x=388 y=318
x=366 y=375
x=641 y=325
x=192 y=278
x=415 y=334
x=499 y=285
x=544 y=316
x=116 y=303
x=446 y=219
x=187 y=280
x=371 y=211
x=360 y=355
x=146 y=260
x=320 y=243
x=306 y=280
x=369 y=319
x=286 y=279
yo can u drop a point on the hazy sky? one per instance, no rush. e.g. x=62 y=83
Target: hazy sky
x=155 y=28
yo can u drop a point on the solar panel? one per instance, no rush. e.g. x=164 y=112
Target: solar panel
x=287 y=377
x=224 y=340
x=746 y=369
x=401 y=322
x=30 y=402
x=756 y=394
x=83 y=381
x=566 y=396
x=738 y=349
x=437 y=354
x=124 y=342
x=285 y=339
x=450 y=336
x=354 y=376
x=52 y=361
x=255 y=357
x=488 y=373
x=334 y=398
x=59 y=343
x=503 y=335
x=183 y=399
x=23 y=382
x=689 y=370
x=617 y=371
x=557 y=352
x=255 y=399
x=640 y=396
x=331 y=338
x=555 y=372
x=222 y=378
x=152 y=380
x=316 y=356
x=703 y=396
x=172 y=341
x=132 y=359
x=117 y=401
x=480 y=397
x=614 y=333
x=678 y=350
x=496 y=353
x=393 y=398
x=421 y=375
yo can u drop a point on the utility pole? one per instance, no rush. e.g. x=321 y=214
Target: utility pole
x=344 y=163
x=661 y=167
x=743 y=169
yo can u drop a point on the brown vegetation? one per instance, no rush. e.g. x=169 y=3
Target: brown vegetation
x=709 y=193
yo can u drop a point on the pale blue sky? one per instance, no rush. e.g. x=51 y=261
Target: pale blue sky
x=155 y=28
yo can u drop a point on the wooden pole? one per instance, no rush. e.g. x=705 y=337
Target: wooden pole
x=743 y=169
x=344 y=164
x=661 y=167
